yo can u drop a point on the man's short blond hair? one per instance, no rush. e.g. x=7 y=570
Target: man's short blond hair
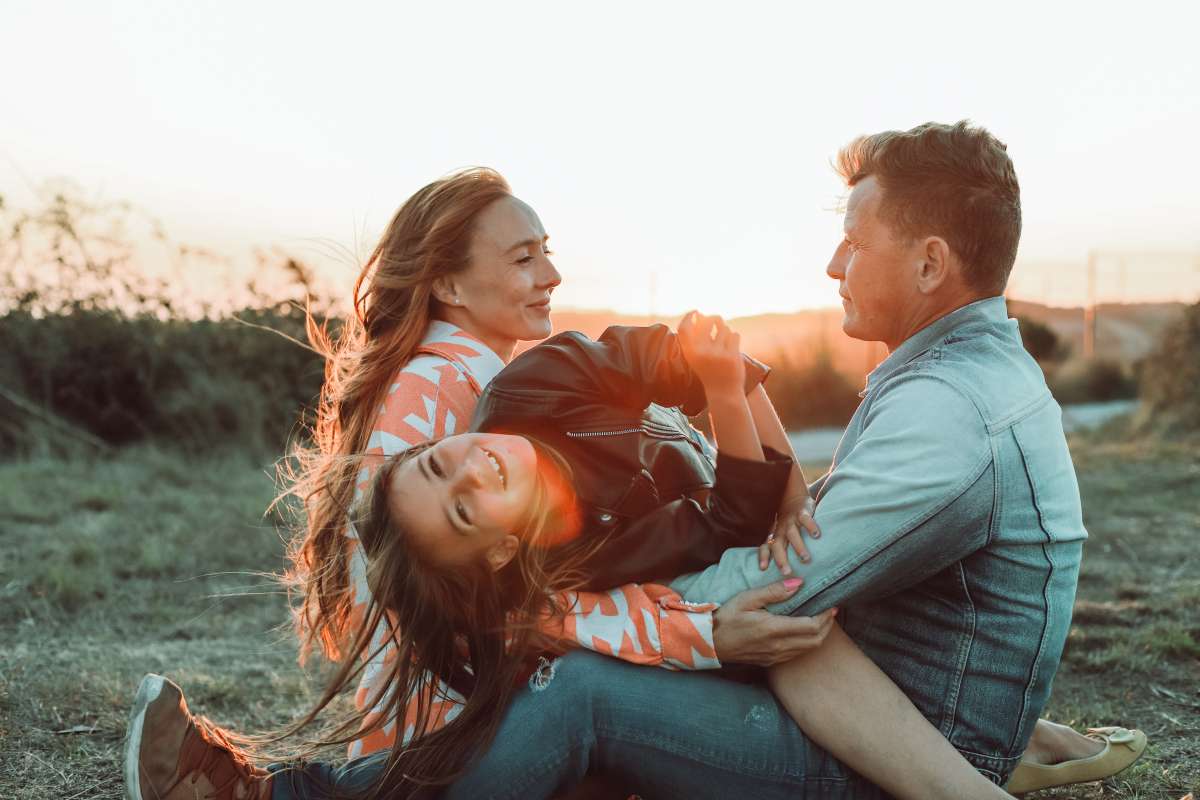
x=953 y=181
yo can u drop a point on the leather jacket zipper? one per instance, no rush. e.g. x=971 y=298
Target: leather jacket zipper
x=591 y=434
x=653 y=431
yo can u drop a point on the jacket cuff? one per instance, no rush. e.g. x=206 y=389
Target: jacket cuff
x=756 y=372
x=687 y=637
x=764 y=481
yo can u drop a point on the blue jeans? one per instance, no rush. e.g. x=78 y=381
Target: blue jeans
x=669 y=734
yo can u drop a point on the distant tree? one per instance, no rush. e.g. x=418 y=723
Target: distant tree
x=69 y=253
x=1170 y=377
x=1041 y=341
x=1096 y=380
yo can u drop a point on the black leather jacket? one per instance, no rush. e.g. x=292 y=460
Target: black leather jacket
x=614 y=409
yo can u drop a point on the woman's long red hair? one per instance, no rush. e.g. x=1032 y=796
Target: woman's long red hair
x=468 y=627
x=429 y=237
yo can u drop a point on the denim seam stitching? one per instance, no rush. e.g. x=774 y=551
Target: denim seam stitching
x=994 y=516
x=964 y=656
x=1021 y=413
x=1037 y=658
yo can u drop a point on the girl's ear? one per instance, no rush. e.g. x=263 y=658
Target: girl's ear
x=444 y=290
x=502 y=552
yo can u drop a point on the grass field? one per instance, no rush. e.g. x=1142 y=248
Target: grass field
x=149 y=561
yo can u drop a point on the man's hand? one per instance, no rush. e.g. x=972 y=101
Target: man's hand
x=744 y=633
x=713 y=351
x=795 y=517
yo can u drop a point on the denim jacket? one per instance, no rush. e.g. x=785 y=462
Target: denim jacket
x=951 y=533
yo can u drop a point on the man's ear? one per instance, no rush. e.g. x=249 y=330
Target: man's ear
x=936 y=265
x=502 y=552
x=445 y=291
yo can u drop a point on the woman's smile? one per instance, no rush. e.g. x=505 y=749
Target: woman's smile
x=497 y=465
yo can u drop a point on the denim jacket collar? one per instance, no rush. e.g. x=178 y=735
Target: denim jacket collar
x=989 y=310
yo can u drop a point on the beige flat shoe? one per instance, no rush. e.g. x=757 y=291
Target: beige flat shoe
x=1122 y=747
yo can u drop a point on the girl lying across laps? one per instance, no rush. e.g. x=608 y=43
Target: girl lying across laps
x=580 y=472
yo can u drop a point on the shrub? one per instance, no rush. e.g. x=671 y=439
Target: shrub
x=195 y=383
x=1041 y=341
x=1091 y=381
x=1170 y=377
x=811 y=396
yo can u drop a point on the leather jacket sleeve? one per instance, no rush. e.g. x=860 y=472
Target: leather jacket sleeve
x=684 y=536
x=629 y=366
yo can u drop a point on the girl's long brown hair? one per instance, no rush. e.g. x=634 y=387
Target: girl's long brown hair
x=470 y=628
x=428 y=238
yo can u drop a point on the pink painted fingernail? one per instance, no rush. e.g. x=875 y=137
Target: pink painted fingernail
x=792 y=583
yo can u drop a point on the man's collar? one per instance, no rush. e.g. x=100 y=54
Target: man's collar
x=990 y=309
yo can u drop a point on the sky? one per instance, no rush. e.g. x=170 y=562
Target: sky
x=679 y=154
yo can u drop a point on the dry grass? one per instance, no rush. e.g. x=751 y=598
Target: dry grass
x=150 y=562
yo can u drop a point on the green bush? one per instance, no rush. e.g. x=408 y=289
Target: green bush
x=195 y=383
x=1092 y=381
x=1170 y=377
x=1041 y=341
x=812 y=395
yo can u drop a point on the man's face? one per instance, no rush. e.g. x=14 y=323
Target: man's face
x=876 y=272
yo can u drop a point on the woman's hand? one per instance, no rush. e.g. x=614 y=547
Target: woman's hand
x=713 y=351
x=795 y=516
x=745 y=633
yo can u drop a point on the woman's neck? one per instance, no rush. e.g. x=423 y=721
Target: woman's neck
x=460 y=317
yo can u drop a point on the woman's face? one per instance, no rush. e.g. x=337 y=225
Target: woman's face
x=467 y=497
x=503 y=296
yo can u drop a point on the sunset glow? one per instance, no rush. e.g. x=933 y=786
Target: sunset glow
x=679 y=157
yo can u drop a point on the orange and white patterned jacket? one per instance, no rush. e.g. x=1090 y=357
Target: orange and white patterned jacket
x=434 y=395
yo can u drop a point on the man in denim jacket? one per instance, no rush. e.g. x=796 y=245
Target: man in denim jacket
x=951 y=520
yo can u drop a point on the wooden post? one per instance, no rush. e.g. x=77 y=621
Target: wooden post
x=1089 y=309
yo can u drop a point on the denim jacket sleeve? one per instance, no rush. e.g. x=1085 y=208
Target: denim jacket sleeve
x=909 y=498
x=923 y=445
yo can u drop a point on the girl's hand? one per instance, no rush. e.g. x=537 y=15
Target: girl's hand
x=793 y=519
x=714 y=353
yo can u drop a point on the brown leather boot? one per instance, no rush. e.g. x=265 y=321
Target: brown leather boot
x=172 y=755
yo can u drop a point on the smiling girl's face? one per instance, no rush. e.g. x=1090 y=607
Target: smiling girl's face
x=466 y=498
